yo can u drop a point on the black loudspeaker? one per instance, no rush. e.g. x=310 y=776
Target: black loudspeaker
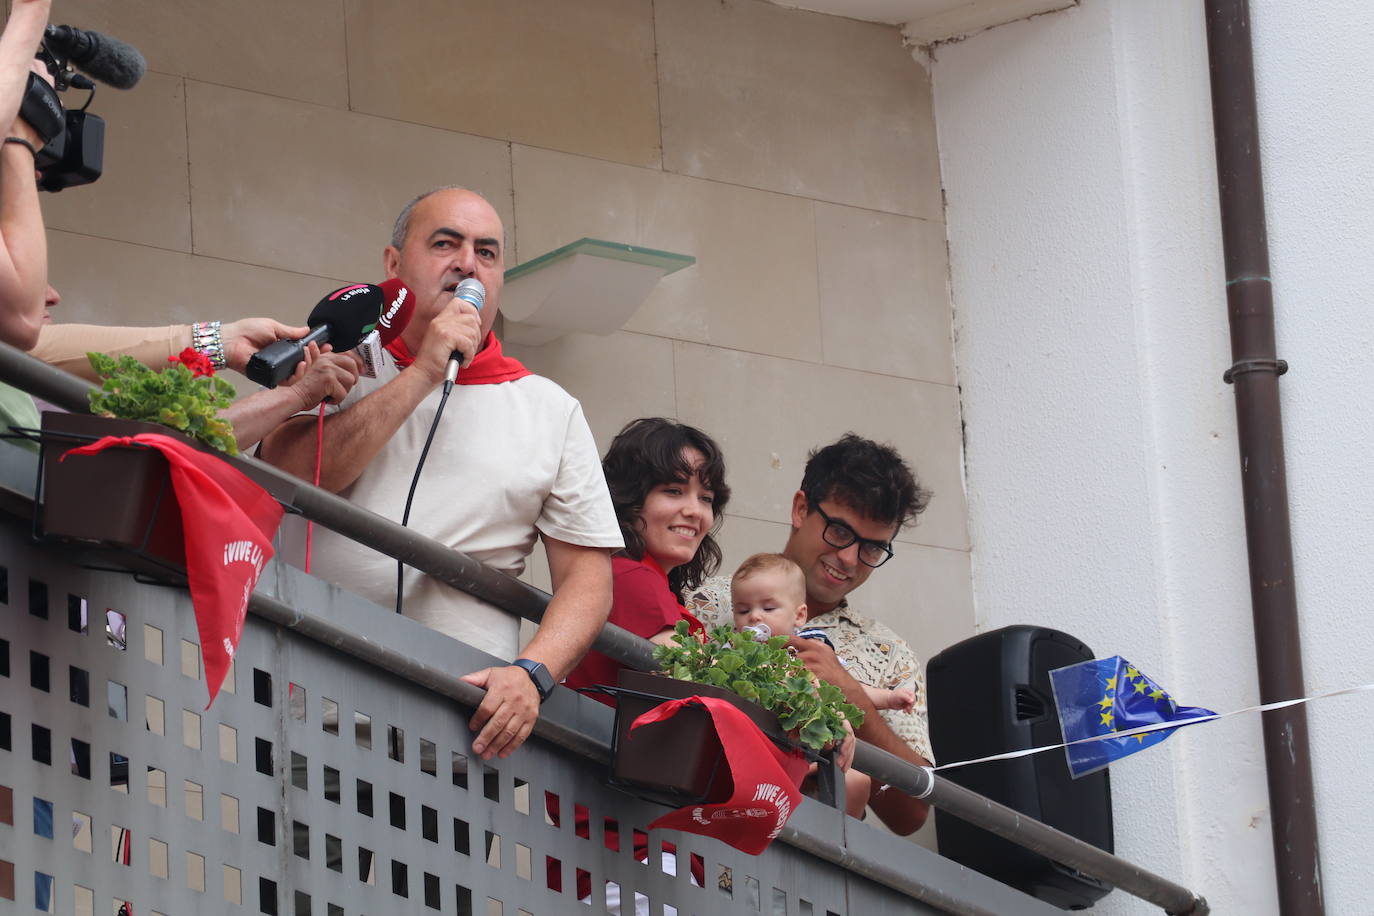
x=989 y=695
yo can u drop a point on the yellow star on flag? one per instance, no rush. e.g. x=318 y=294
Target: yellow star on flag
x=1139 y=686
x=1111 y=683
x=1107 y=718
x=1156 y=694
x=1106 y=702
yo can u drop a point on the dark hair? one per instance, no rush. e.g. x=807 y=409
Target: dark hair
x=868 y=477
x=648 y=452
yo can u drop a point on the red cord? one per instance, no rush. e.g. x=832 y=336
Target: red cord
x=319 y=456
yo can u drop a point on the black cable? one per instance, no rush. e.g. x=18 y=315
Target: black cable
x=410 y=497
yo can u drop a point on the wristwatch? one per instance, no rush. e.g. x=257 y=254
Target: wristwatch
x=543 y=681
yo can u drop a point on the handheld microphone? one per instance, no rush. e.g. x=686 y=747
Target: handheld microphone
x=343 y=318
x=470 y=290
x=107 y=59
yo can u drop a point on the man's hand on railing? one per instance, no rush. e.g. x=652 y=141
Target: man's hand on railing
x=508 y=712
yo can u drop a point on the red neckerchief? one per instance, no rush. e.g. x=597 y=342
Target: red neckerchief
x=489 y=366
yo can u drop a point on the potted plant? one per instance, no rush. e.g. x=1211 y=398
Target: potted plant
x=678 y=762
x=185 y=396
x=122 y=497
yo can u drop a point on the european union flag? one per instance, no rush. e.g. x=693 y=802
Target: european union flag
x=1110 y=695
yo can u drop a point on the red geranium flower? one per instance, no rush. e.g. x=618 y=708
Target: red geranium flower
x=199 y=363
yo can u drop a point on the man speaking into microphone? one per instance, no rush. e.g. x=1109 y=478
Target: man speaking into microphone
x=512 y=459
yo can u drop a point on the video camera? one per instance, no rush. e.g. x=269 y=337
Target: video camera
x=74 y=140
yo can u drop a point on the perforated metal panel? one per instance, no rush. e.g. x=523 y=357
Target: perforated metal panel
x=318 y=784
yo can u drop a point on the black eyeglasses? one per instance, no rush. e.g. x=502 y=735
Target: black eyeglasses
x=838 y=534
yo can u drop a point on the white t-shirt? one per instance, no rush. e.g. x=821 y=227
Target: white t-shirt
x=509 y=460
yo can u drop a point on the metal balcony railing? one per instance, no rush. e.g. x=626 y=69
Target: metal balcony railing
x=334 y=774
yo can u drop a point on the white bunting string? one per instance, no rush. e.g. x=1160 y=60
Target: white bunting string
x=1158 y=726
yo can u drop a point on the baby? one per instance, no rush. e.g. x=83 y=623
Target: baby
x=770 y=589
x=768 y=595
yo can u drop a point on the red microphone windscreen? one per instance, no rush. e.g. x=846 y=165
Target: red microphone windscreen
x=398 y=306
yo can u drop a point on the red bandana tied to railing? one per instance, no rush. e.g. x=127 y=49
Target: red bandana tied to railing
x=229 y=522
x=749 y=810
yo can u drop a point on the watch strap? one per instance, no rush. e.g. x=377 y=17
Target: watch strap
x=539 y=675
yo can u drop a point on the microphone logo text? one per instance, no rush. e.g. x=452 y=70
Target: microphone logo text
x=385 y=320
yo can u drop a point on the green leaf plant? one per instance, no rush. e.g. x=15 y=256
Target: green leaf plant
x=767 y=673
x=177 y=397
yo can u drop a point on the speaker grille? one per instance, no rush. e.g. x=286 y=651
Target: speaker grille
x=1029 y=704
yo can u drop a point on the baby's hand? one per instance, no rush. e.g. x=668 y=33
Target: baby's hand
x=902 y=699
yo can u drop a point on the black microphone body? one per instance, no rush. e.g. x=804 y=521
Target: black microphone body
x=342 y=318
x=107 y=59
x=274 y=363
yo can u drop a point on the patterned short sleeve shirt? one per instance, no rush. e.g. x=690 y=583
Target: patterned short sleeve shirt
x=874 y=654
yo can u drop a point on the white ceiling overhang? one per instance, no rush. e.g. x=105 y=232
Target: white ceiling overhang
x=924 y=22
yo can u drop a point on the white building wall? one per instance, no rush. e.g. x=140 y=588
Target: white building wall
x=1102 y=470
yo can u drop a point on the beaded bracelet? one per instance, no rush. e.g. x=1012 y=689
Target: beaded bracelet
x=205 y=337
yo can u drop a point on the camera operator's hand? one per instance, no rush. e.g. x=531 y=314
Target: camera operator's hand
x=247 y=336
x=18 y=44
x=324 y=376
x=458 y=327
x=21 y=128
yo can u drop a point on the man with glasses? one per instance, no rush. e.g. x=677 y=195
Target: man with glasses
x=855 y=496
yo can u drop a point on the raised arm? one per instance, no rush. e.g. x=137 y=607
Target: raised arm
x=18 y=44
x=366 y=426
x=369 y=423
x=66 y=345
x=24 y=248
x=23 y=243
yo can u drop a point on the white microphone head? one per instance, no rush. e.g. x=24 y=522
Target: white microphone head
x=472 y=290
x=760 y=631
